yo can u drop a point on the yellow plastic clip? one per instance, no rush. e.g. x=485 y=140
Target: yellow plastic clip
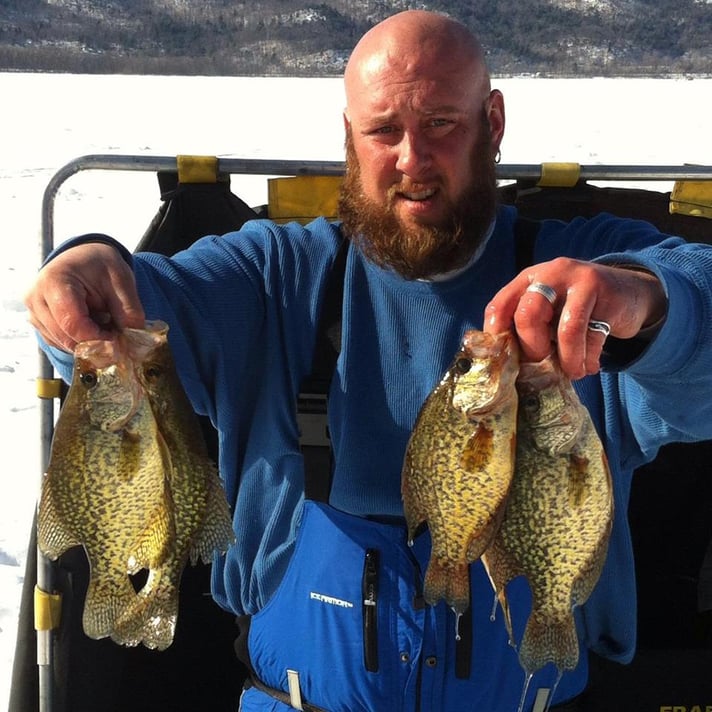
x=48 y=609
x=303 y=198
x=692 y=198
x=49 y=388
x=559 y=175
x=197 y=169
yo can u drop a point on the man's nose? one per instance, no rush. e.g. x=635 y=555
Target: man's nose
x=414 y=155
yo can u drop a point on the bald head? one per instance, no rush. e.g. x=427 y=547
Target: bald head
x=423 y=128
x=416 y=43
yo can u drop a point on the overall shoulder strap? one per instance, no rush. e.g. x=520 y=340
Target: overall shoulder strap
x=313 y=393
x=311 y=403
x=328 y=335
x=525 y=235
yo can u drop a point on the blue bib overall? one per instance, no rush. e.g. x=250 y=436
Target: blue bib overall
x=349 y=622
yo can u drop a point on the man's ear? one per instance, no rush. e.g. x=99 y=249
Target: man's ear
x=495 y=117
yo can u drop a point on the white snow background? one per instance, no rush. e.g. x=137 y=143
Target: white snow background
x=49 y=119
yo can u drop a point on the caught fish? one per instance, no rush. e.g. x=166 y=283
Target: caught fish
x=129 y=479
x=558 y=519
x=459 y=461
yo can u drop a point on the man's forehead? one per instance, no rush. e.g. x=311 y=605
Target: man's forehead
x=392 y=94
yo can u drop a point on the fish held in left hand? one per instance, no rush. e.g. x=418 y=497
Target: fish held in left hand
x=558 y=519
x=130 y=480
x=459 y=460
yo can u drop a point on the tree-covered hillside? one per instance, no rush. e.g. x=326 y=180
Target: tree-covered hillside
x=287 y=37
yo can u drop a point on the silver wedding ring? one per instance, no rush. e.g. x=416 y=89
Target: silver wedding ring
x=602 y=327
x=545 y=290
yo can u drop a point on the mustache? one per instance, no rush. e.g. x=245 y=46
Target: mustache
x=406 y=185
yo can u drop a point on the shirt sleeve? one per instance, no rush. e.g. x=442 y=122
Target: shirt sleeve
x=667 y=388
x=656 y=390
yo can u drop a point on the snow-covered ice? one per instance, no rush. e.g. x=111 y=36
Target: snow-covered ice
x=50 y=119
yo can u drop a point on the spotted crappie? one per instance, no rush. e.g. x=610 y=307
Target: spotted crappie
x=129 y=479
x=558 y=519
x=459 y=461
x=201 y=517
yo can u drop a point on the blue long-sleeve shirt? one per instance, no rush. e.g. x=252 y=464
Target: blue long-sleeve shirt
x=243 y=310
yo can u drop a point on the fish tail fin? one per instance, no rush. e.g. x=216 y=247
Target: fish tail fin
x=449 y=581
x=216 y=533
x=151 y=617
x=105 y=602
x=549 y=641
x=151 y=623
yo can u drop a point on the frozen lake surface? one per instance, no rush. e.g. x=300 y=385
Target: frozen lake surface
x=50 y=119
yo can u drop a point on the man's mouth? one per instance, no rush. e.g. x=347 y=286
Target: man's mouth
x=417 y=195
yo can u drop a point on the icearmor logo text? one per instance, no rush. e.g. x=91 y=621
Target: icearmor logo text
x=334 y=601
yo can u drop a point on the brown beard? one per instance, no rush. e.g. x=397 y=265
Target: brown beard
x=426 y=250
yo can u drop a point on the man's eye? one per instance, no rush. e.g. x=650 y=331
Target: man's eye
x=440 y=124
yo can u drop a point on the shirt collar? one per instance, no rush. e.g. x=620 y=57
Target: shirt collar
x=444 y=276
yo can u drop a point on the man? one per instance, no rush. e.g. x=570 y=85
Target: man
x=431 y=255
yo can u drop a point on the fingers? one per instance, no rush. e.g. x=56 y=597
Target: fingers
x=83 y=294
x=569 y=306
x=535 y=320
x=579 y=349
x=60 y=315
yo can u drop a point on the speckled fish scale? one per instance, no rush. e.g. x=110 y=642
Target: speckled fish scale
x=129 y=479
x=458 y=465
x=558 y=518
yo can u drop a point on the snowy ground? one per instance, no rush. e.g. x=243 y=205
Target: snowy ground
x=50 y=119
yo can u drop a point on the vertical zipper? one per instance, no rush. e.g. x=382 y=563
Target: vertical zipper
x=369 y=589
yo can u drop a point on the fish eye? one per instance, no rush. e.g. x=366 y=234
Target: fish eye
x=152 y=372
x=463 y=365
x=531 y=403
x=88 y=379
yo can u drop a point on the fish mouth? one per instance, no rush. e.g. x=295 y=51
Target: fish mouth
x=112 y=415
x=557 y=435
x=484 y=399
x=482 y=406
x=115 y=401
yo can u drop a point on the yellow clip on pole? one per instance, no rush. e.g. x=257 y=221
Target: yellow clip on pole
x=48 y=609
x=559 y=175
x=197 y=169
x=49 y=387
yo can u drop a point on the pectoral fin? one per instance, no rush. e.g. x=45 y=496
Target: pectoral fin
x=478 y=450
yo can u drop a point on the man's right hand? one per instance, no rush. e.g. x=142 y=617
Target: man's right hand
x=84 y=293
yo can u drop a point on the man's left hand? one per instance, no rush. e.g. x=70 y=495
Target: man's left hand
x=559 y=314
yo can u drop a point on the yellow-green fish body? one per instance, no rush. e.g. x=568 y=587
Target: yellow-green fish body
x=558 y=519
x=105 y=485
x=119 y=482
x=458 y=465
x=201 y=516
